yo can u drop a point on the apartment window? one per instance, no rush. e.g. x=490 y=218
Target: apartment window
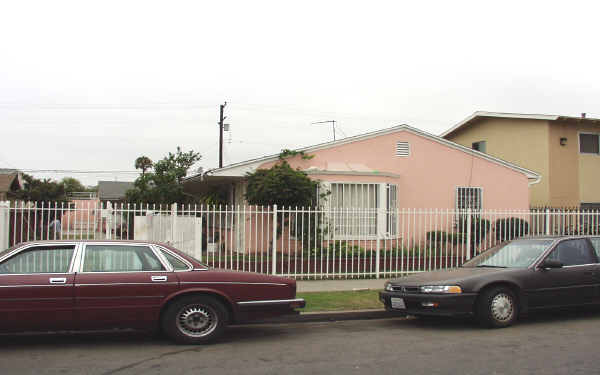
x=469 y=197
x=354 y=209
x=588 y=143
x=479 y=146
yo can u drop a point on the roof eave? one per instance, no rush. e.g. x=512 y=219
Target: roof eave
x=479 y=114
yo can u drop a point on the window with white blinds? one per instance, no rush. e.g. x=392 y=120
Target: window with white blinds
x=354 y=208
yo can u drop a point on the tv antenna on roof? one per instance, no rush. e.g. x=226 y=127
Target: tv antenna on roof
x=327 y=122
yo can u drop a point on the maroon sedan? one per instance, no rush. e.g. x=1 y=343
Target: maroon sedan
x=88 y=285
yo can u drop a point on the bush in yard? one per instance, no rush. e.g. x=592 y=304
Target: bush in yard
x=440 y=237
x=288 y=188
x=479 y=230
x=508 y=228
x=281 y=185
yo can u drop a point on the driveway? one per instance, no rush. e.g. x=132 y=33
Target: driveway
x=550 y=343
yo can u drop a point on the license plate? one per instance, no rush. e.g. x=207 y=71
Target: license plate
x=398 y=303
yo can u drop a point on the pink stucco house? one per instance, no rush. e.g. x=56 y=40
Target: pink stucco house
x=378 y=174
x=401 y=167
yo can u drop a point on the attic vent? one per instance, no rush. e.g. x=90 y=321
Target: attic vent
x=402 y=149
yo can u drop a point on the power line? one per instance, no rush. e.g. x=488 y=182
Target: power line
x=188 y=106
x=61 y=171
x=154 y=106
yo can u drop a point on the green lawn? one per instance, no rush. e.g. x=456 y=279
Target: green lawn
x=338 y=301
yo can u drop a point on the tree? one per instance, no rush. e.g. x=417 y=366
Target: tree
x=287 y=187
x=45 y=190
x=163 y=185
x=281 y=185
x=144 y=163
x=72 y=185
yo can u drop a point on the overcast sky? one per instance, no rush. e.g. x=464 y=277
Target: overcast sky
x=93 y=85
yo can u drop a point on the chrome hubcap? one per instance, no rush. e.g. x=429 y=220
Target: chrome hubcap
x=502 y=307
x=197 y=320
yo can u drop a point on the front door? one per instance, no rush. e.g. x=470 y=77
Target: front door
x=36 y=289
x=573 y=284
x=121 y=285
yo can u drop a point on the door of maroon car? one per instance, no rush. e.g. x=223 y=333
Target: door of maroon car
x=121 y=285
x=36 y=289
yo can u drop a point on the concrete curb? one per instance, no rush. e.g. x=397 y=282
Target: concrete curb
x=329 y=316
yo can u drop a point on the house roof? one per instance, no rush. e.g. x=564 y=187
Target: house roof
x=531 y=116
x=113 y=190
x=240 y=169
x=10 y=179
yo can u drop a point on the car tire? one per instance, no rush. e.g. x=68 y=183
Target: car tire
x=195 y=320
x=497 y=308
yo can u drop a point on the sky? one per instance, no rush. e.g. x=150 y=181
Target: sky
x=91 y=85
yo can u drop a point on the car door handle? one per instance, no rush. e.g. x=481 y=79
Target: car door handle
x=159 y=278
x=58 y=280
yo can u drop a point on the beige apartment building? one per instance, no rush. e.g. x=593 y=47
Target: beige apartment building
x=564 y=150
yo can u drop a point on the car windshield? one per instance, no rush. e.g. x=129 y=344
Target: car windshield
x=515 y=254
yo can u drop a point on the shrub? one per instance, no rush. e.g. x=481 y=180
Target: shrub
x=440 y=237
x=479 y=229
x=509 y=228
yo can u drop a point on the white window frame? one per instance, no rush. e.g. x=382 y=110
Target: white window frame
x=382 y=214
x=456 y=197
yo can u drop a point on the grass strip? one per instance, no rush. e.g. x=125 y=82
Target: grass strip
x=339 y=301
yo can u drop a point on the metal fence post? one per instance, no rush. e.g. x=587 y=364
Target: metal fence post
x=108 y=222
x=547 y=221
x=173 y=223
x=198 y=237
x=469 y=234
x=377 y=255
x=4 y=224
x=274 y=254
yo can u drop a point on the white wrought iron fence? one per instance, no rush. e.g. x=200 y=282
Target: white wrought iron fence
x=304 y=243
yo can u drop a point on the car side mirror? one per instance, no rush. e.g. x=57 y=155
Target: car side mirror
x=551 y=263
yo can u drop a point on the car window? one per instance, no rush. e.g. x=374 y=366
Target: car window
x=178 y=265
x=573 y=252
x=120 y=258
x=514 y=254
x=596 y=243
x=43 y=259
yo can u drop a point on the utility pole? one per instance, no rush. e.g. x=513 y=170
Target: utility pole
x=332 y=122
x=221 y=119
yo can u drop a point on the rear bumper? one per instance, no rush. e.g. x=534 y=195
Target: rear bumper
x=252 y=310
x=421 y=304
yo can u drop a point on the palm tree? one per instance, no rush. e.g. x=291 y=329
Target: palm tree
x=144 y=163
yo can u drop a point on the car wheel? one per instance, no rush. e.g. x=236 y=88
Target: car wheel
x=497 y=308
x=195 y=320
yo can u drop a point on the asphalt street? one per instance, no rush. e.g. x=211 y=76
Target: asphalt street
x=549 y=343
